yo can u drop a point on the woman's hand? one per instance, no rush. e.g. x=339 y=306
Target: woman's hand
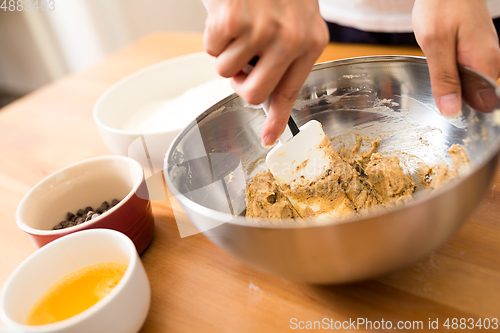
x=451 y=31
x=287 y=35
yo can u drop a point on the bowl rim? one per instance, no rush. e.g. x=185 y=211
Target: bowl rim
x=46 y=232
x=133 y=76
x=131 y=267
x=492 y=151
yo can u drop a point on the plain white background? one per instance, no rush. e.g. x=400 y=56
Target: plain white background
x=38 y=47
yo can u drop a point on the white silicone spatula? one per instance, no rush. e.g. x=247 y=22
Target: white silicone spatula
x=302 y=154
x=302 y=159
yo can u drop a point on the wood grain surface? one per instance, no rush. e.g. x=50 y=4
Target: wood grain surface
x=196 y=287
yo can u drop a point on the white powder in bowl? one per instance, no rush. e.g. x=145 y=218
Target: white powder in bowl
x=177 y=113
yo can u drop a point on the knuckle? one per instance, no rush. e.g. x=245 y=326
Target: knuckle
x=222 y=67
x=300 y=37
x=428 y=36
x=299 y=34
x=447 y=79
x=224 y=24
x=234 y=24
x=495 y=54
x=325 y=37
x=494 y=71
x=293 y=36
x=210 y=51
x=251 y=95
x=253 y=98
x=291 y=43
x=208 y=38
x=277 y=122
x=425 y=38
x=208 y=47
x=497 y=66
x=436 y=37
x=262 y=34
x=321 y=38
x=286 y=96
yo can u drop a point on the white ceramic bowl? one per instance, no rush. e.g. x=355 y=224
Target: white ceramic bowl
x=121 y=103
x=123 y=310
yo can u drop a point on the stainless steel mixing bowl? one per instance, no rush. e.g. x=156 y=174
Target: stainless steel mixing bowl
x=214 y=158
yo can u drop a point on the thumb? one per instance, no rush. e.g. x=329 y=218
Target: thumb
x=445 y=81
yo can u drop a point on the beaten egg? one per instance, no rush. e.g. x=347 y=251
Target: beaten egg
x=75 y=293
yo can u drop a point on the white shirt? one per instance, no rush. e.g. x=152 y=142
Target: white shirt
x=378 y=15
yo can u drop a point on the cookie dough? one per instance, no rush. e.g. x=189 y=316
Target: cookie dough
x=358 y=180
x=439 y=175
x=266 y=200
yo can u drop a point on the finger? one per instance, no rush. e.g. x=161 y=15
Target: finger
x=480 y=50
x=284 y=97
x=236 y=55
x=445 y=81
x=264 y=77
x=212 y=44
x=486 y=62
x=221 y=28
x=482 y=55
x=240 y=51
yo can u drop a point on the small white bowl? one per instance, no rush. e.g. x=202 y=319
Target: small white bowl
x=125 y=99
x=124 y=309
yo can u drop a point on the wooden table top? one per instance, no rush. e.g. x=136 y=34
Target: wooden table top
x=196 y=287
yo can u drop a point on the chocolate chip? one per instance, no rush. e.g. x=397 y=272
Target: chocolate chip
x=271 y=198
x=84 y=215
x=103 y=207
